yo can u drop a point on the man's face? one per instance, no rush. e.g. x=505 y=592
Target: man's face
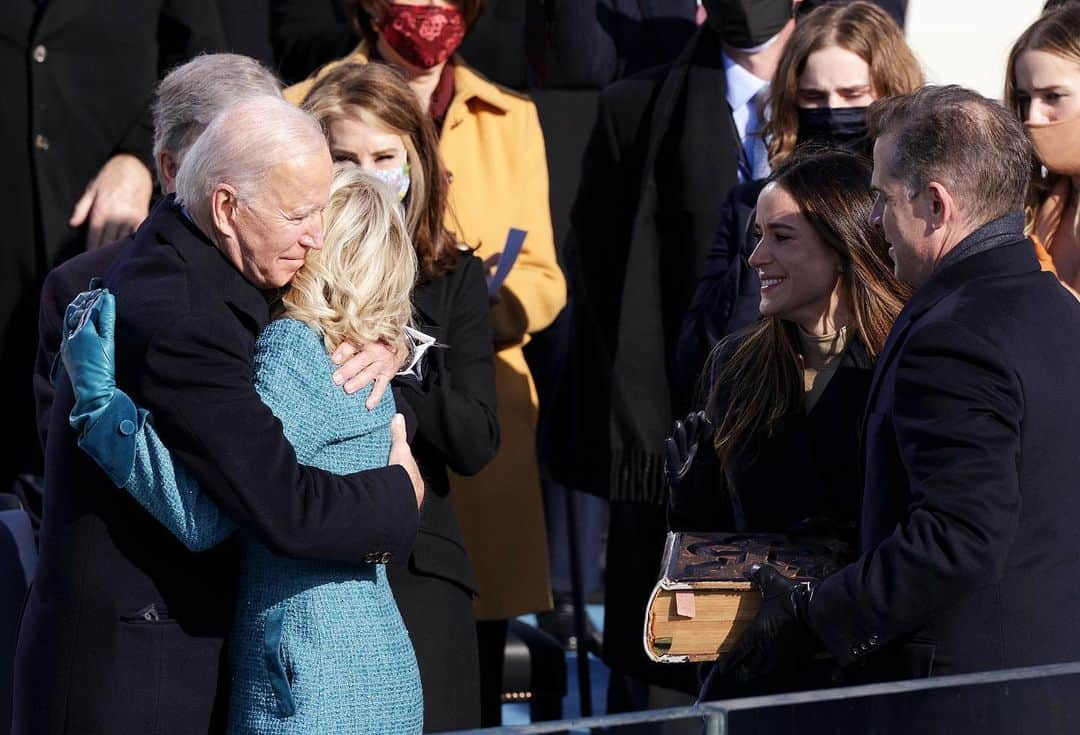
x=903 y=219
x=275 y=231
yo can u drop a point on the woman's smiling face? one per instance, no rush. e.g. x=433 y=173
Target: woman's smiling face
x=799 y=273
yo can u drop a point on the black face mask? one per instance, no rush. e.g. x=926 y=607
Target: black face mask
x=747 y=23
x=841 y=127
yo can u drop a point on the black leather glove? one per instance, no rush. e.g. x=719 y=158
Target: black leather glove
x=779 y=639
x=681 y=447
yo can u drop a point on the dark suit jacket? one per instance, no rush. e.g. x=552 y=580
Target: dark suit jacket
x=308 y=34
x=80 y=74
x=592 y=43
x=808 y=469
x=87 y=660
x=970 y=511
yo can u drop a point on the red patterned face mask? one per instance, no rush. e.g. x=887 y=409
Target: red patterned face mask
x=423 y=35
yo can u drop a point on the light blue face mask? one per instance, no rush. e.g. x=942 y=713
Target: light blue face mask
x=396 y=178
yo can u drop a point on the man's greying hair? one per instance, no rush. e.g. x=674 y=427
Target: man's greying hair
x=241 y=145
x=192 y=94
x=969 y=144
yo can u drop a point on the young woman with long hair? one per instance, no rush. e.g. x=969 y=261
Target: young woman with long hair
x=840 y=59
x=786 y=394
x=776 y=447
x=1043 y=86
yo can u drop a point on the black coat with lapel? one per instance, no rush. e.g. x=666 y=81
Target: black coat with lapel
x=457 y=430
x=91 y=657
x=808 y=469
x=970 y=511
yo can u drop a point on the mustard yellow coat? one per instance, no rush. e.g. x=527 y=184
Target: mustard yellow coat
x=493 y=148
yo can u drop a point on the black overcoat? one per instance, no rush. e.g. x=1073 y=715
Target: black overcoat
x=970 y=511
x=807 y=469
x=663 y=155
x=124 y=628
x=457 y=429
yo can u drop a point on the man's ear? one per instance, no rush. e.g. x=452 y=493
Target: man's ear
x=942 y=206
x=167 y=166
x=224 y=205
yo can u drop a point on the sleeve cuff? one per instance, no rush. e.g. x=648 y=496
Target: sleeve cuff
x=832 y=616
x=110 y=437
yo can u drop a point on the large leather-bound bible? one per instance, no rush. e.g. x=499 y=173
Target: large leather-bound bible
x=703 y=601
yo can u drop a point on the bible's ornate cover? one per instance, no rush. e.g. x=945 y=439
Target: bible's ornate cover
x=706 y=559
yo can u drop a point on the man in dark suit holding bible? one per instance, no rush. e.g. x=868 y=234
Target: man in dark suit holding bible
x=969 y=550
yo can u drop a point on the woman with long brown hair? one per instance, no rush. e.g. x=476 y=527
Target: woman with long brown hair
x=373 y=121
x=840 y=59
x=776 y=447
x=1043 y=86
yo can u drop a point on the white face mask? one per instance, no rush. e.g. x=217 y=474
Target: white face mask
x=396 y=178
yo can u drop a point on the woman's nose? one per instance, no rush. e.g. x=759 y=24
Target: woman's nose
x=1039 y=113
x=760 y=256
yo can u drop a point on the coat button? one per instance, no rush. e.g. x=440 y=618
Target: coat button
x=873 y=640
x=854 y=650
x=127 y=427
x=41 y=142
x=864 y=647
x=40 y=54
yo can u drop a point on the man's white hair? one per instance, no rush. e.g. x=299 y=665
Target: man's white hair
x=192 y=94
x=241 y=145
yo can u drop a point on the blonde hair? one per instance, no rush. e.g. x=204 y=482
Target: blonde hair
x=358 y=286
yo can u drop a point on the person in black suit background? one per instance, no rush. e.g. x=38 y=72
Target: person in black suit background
x=373 y=120
x=841 y=58
x=968 y=530
x=75 y=151
x=124 y=627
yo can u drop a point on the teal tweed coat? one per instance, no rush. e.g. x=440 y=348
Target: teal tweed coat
x=316 y=647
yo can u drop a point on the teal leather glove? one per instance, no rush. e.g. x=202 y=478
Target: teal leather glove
x=105 y=417
x=87 y=348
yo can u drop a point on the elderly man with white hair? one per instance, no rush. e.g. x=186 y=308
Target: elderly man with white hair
x=124 y=629
x=188 y=98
